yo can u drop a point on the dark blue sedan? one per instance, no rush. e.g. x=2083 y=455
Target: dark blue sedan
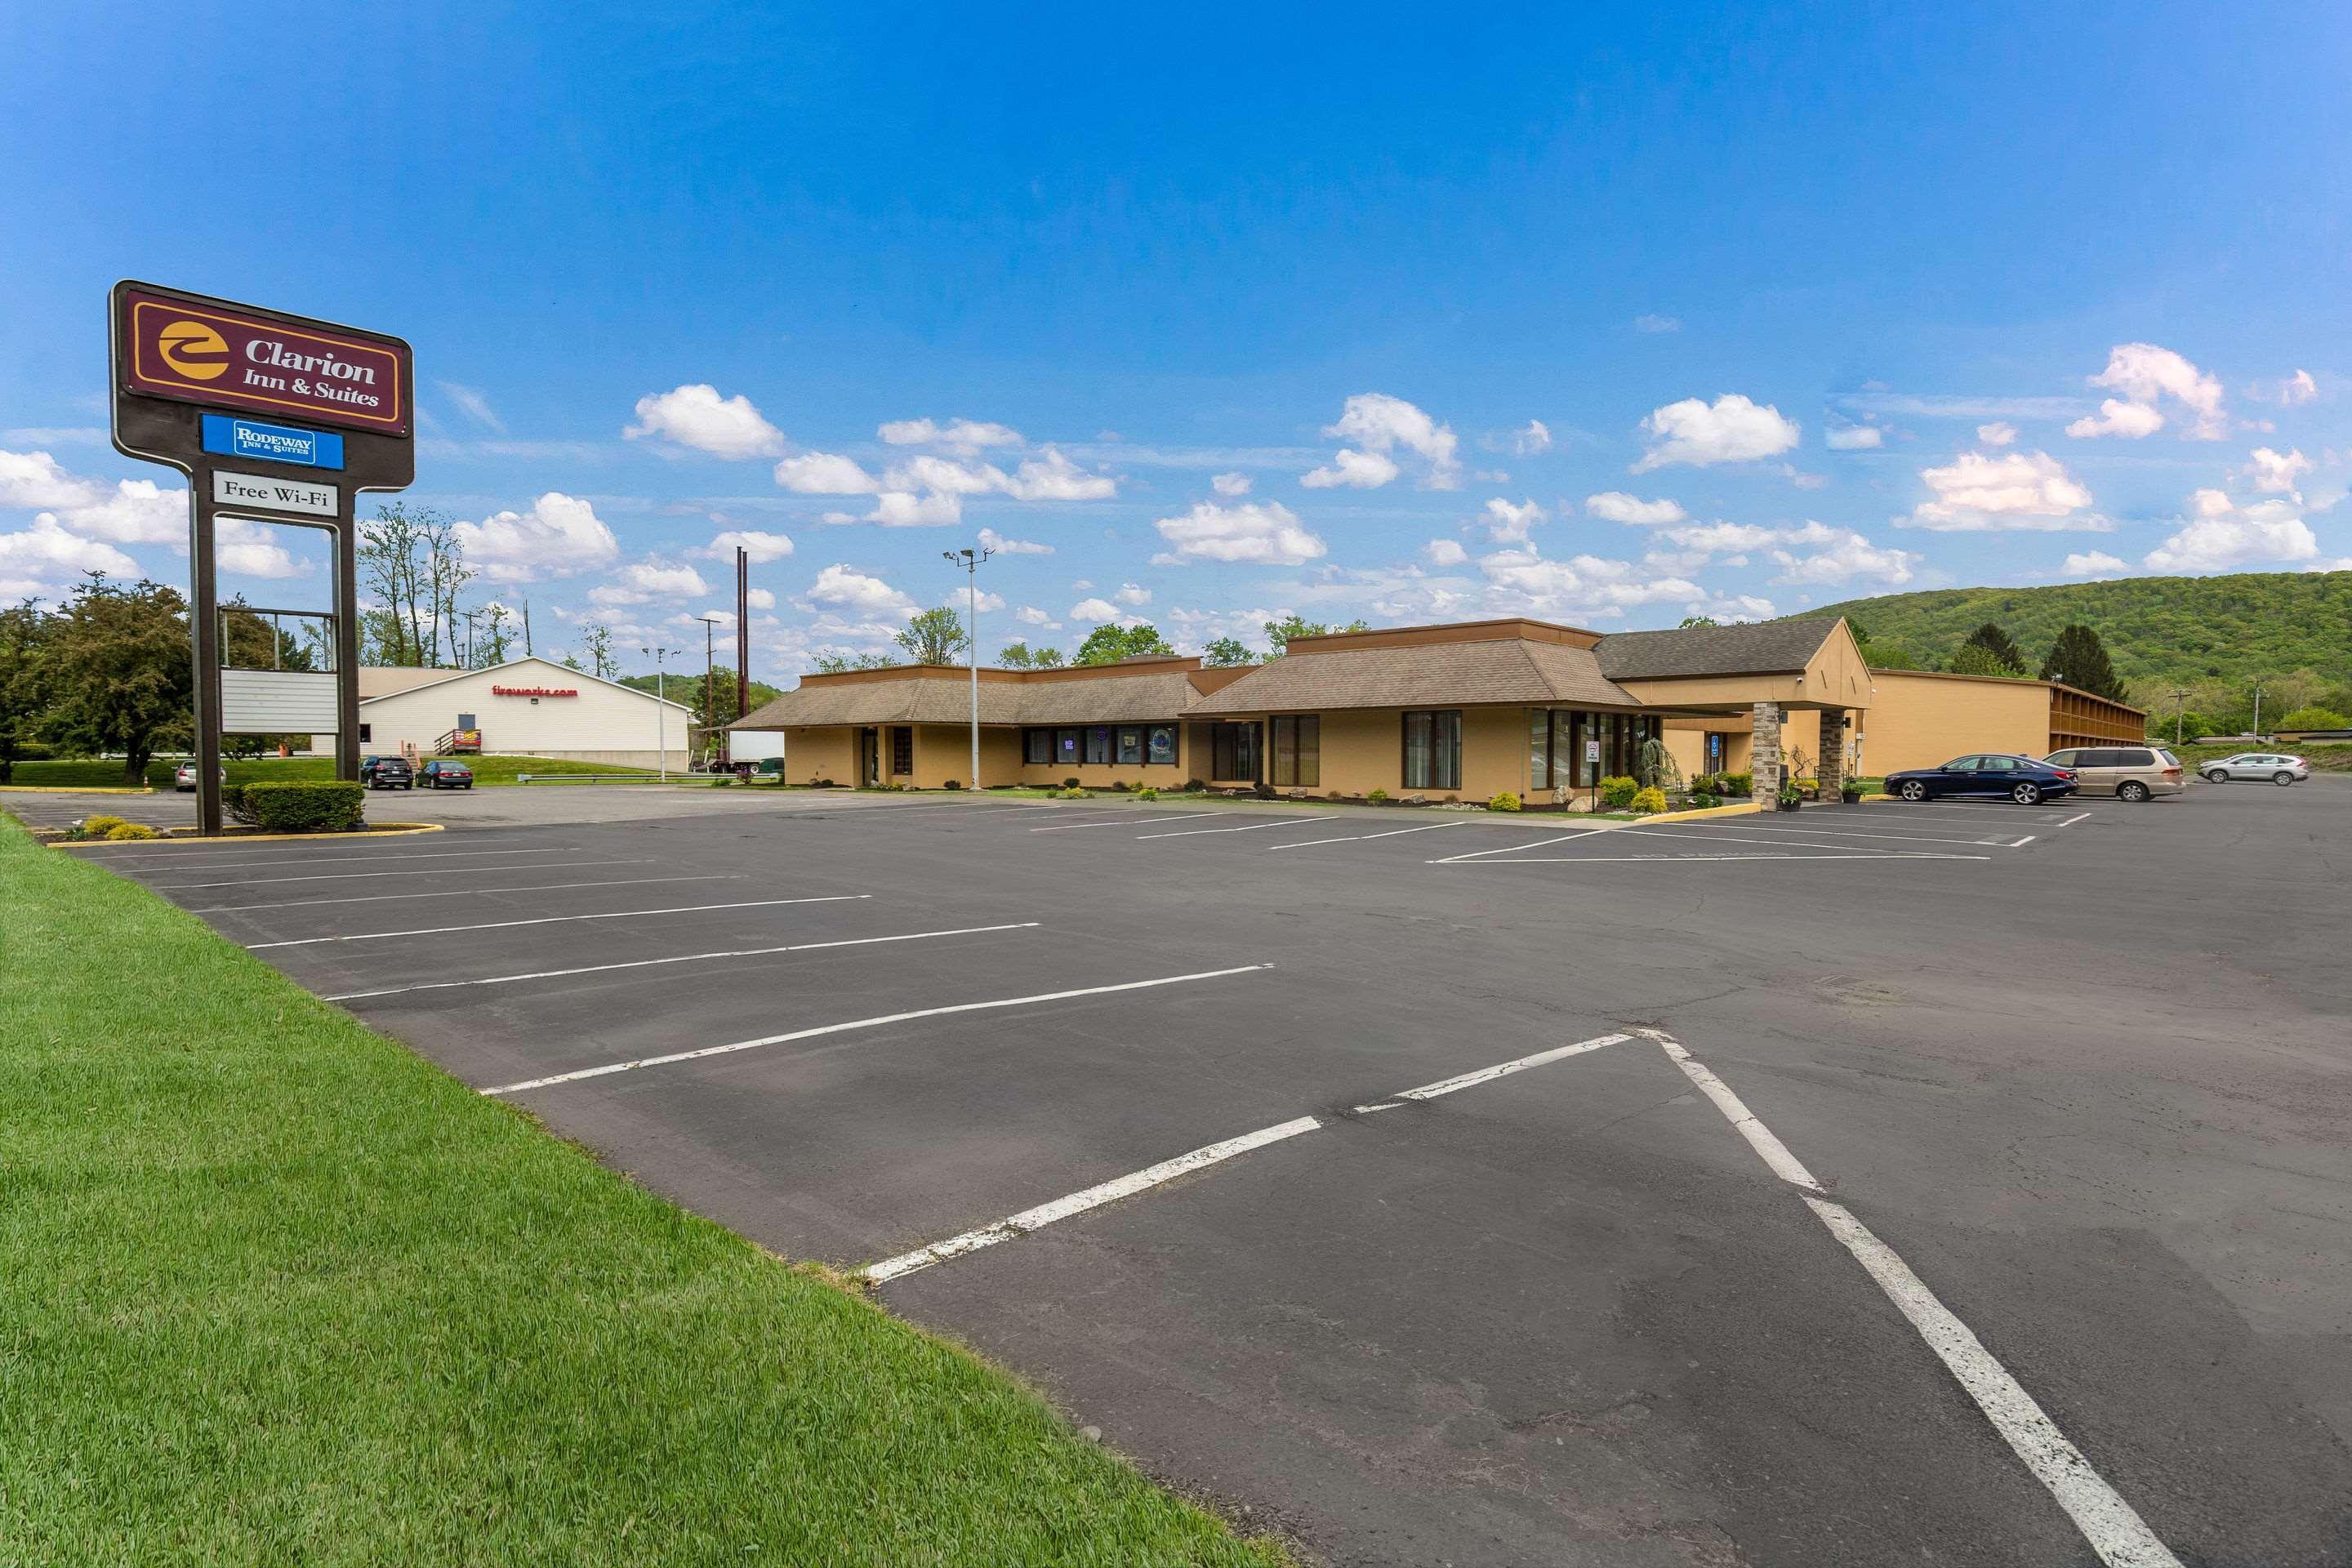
x=2020 y=779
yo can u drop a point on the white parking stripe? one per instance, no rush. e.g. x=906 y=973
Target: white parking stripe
x=1778 y=833
x=1501 y=1069
x=1515 y=849
x=365 y=875
x=1092 y=1197
x=1628 y=859
x=1723 y=835
x=552 y=921
x=679 y=958
x=1124 y=820
x=1250 y=827
x=1359 y=837
x=2071 y=820
x=873 y=1023
x=2112 y=1526
x=462 y=893
x=208 y=864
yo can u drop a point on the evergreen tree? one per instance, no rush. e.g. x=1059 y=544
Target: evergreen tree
x=1997 y=642
x=2079 y=660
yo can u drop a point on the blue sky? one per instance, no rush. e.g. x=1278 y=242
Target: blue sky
x=1215 y=315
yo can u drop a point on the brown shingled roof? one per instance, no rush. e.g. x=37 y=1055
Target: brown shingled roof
x=1765 y=647
x=1431 y=674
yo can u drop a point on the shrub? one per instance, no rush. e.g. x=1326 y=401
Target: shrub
x=1648 y=799
x=1377 y=797
x=1506 y=801
x=324 y=807
x=953 y=783
x=1145 y=792
x=1070 y=783
x=1738 y=783
x=1702 y=801
x=123 y=830
x=1617 y=791
x=101 y=825
x=1118 y=787
x=1194 y=787
x=1072 y=791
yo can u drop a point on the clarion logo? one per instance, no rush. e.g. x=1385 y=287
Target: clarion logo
x=533 y=692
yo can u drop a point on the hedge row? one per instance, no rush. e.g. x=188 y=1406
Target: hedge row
x=321 y=807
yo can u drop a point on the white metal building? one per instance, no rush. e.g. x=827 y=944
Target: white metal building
x=527 y=707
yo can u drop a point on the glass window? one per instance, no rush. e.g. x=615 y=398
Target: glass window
x=2067 y=759
x=1233 y=751
x=1099 y=745
x=1037 y=747
x=1539 y=747
x=1065 y=747
x=1131 y=744
x=902 y=751
x=1160 y=745
x=1997 y=764
x=1962 y=764
x=1297 y=750
x=1433 y=749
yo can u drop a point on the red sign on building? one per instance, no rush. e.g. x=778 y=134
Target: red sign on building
x=226 y=359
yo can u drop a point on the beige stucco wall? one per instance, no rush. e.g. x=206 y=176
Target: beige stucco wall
x=825 y=753
x=1919 y=721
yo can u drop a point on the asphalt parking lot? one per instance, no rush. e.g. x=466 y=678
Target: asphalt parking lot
x=1957 y=1184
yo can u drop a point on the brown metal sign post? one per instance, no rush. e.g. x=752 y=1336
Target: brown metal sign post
x=273 y=417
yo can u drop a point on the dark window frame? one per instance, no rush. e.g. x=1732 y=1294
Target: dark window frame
x=902 y=751
x=1444 y=751
x=1303 y=732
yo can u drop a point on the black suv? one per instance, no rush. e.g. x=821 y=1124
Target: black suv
x=386 y=773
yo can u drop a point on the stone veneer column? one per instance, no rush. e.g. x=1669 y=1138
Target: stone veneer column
x=1831 y=769
x=1764 y=753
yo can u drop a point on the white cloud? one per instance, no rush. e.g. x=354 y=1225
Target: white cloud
x=966 y=436
x=2146 y=375
x=1356 y=470
x=696 y=416
x=1233 y=484
x=1508 y=524
x=1031 y=615
x=2000 y=433
x=992 y=540
x=1721 y=538
x=250 y=550
x=1445 y=552
x=560 y=535
x=1263 y=534
x=924 y=471
x=826 y=474
x=48 y=553
x=1521 y=580
x=1377 y=425
x=1052 y=477
x=1533 y=436
x=2297 y=388
x=988 y=603
x=1134 y=593
x=2223 y=534
x=2274 y=473
x=1734 y=607
x=2091 y=563
x=1978 y=493
x=1854 y=438
x=900 y=508
x=641 y=582
x=1650 y=323
x=54 y=436
x=859 y=591
x=1094 y=610
x=1848 y=556
x=1731 y=429
x=1616 y=506
x=476 y=405
x=760 y=598
x=129 y=511
x=760 y=547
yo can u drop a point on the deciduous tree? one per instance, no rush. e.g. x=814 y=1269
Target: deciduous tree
x=1279 y=632
x=1225 y=651
x=122 y=679
x=934 y=636
x=1110 y=642
x=24 y=679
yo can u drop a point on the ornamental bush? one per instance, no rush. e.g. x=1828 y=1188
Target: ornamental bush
x=1738 y=783
x=1506 y=801
x=1074 y=791
x=1646 y=801
x=1617 y=791
x=1146 y=792
x=1377 y=797
x=318 y=807
x=1702 y=801
x=127 y=830
x=101 y=825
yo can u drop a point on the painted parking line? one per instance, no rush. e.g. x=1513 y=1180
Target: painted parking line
x=1249 y=827
x=289 y=858
x=1124 y=820
x=463 y=893
x=873 y=1023
x=1359 y=837
x=1778 y=831
x=364 y=876
x=2112 y=1526
x=552 y=921
x=1515 y=849
x=680 y=958
x=1094 y=1197
x=1629 y=859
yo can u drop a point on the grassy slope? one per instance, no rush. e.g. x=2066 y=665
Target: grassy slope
x=98 y=772
x=272 y=1289
x=2154 y=628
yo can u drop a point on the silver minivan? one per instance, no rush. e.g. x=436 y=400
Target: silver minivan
x=2127 y=773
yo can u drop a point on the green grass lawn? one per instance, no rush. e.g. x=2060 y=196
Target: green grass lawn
x=275 y=1290
x=105 y=773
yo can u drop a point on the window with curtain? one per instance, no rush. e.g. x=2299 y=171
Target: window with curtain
x=1131 y=744
x=1065 y=747
x=1099 y=745
x=1037 y=747
x=1539 y=747
x=1297 y=748
x=1433 y=749
x=902 y=751
x=1233 y=750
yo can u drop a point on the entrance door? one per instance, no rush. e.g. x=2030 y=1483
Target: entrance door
x=870 y=758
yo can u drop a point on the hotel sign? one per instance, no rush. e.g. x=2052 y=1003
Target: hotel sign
x=234 y=489
x=225 y=357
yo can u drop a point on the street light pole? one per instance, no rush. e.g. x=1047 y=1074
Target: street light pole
x=970 y=561
x=710 y=673
x=2179 y=711
x=661 y=707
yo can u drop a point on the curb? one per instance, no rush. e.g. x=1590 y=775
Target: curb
x=1746 y=808
x=72 y=789
x=381 y=830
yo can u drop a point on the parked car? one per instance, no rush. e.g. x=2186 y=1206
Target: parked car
x=185 y=780
x=2023 y=780
x=2278 y=767
x=386 y=773
x=440 y=772
x=2127 y=773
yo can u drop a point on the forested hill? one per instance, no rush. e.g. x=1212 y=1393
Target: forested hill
x=2157 y=630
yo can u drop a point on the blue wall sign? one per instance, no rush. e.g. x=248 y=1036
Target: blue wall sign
x=235 y=438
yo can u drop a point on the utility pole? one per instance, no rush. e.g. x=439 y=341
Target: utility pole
x=710 y=680
x=2258 y=709
x=525 y=629
x=970 y=561
x=467 y=617
x=2179 y=711
x=661 y=705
